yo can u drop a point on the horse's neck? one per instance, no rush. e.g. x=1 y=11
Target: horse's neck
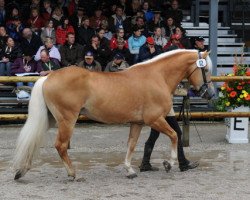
x=177 y=69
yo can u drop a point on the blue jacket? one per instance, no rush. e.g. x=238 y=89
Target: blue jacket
x=144 y=52
x=134 y=43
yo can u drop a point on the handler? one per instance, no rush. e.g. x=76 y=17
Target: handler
x=184 y=164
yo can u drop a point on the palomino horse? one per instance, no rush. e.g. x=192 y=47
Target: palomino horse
x=139 y=95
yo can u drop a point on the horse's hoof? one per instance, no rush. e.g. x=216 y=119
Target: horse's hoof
x=71 y=178
x=18 y=175
x=167 y=166
x=131 y=176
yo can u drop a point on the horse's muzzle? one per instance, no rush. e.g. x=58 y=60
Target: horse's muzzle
x=206 y=91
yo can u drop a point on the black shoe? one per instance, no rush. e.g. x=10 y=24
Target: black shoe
x=190 y=165
x=148 y=167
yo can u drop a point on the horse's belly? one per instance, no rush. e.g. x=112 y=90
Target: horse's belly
x=112 y=115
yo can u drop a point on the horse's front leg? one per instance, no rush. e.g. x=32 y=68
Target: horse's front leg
x=135 y=130
x=161 y=125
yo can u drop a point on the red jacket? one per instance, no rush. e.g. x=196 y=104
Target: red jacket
x=37 y=23
x=61 y=34
x=113 y=43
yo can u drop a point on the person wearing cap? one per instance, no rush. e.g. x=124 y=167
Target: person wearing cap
x=101 y=52
x=90 y=63
x=135 y=42
x=199 y=44
x=122 y=49
x=71 y=52
x=149 y=50
x=117 y=64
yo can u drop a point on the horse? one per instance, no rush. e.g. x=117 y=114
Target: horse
x=140 y=95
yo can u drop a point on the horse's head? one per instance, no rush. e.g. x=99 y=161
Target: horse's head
x=200 y=74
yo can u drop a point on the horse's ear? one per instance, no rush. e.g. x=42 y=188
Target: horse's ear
x=205 y=54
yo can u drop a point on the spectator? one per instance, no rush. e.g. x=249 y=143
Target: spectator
x=184 y=40
x=103 y=41
x=7 y=56
x=123 y=50
x=14 y=13
x=90 y=63
x=35 y=4
x=2 y=12
x=15 y=28
x=36 y=22
x=77 y=18
x=175 y=12
x=117 y=64
x=134 y=7
x=149 y=50
x=46 y=65
x=57 y=16
x=53 y=51
x=46 y=10
x=48 y=31
x=95 y=21
x=199 y=44
x=71 y=52
x=119 y=34
x=73 y=7
x=24 y=64
x=3 y=36
x=148 y=14
x=159 y=40
x=135 y=42
x=63 y=30
x=30 y=42
x=85 y=32
x=142 y=25
x=174 y=43
x=156 y=22
x=105 y=26
x=116 y=20
x=169 y=27
x=101 y=52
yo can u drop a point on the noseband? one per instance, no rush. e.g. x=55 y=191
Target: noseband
x=203 y=89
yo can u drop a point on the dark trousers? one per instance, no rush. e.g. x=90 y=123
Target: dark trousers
x=154 y=134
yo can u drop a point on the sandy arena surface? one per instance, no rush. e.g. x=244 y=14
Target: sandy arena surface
x=98 y=151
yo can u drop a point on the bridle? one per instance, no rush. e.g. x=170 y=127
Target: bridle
x=203 y=89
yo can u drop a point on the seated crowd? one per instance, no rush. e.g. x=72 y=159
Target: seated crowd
x=106 y=36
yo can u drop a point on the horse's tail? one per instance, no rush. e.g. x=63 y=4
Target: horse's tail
x=31 y=135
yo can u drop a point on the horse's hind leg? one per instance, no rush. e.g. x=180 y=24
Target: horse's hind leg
x=65 y=130
x=135 y=130
x=161 y=125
